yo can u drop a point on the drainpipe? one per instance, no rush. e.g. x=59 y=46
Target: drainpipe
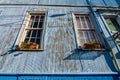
x=92 y=12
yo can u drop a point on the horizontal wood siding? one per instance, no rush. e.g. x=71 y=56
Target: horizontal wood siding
x=105 y=2
x=64 y=2
x=60 y=53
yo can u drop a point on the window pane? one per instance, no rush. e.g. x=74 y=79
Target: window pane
x=34 y=33
x=39 y=33
x=38 y=40
x=35 y=25
x=91 y=36
x=40 y=24
x=32 y=40
x=83 y=22
x=82 y=42
x=89 y=24
x=28 y=33
x=116 y=25
x=78 y=22
x=32 y=18
x=110 y=25
x=37 y=18
x=42 y=18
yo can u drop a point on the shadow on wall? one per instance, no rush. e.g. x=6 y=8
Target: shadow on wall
x=117 y=55
x=109 y=61
x=92 y=55
x=83 y=55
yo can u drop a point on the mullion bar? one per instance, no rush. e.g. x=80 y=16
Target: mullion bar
x=33 y=21
x=87 y=32
x=32 y=27
x=36 y=36
x=95 y=36
x=86 y=22
x=88 y=36
x=81 y=22
x=37 y=27
x=90 y=22
x=39 y=21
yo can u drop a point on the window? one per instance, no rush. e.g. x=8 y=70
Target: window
x=87 y=37
x=32 y=34
x=114 y=26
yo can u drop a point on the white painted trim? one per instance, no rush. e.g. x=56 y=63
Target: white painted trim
x=25 y=24
x=76 y=31
x=21 y=30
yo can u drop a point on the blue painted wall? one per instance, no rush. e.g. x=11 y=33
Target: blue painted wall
x=64 y=2
x=60 y=77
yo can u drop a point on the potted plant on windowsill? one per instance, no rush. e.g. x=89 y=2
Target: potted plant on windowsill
x=92 y=45
x=29 y=46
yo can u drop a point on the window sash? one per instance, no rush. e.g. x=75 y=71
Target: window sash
x=85 y=30
x=33 y=30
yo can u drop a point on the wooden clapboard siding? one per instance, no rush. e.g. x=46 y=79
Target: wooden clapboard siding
x=60 y=53
x=105 y=2
x=64 y=2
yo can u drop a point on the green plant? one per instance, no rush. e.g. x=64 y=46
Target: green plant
x=29 y=45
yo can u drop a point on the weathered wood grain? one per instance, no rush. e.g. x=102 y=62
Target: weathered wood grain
x=64 y=2
x=59 y=40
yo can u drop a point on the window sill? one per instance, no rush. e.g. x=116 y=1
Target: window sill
x=82 y=49
x=30 y=50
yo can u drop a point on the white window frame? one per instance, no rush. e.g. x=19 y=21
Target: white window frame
x=76 y=30
x=21 y=37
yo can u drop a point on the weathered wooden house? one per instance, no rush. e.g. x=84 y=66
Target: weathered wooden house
x=59 y=38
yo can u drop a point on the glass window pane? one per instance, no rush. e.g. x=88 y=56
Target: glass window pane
x=37 y=18
x=78 y=22
x=38 y=40
x=40 y=24
x=33 y=33
x=28 y=33
x=39 y=33
x=32 y=40
x=42 y=18
x=83 y=22
x=82 y=42
x=89 y=24
x=110 y=25
x=81 y=36
x=116 y=25
x=35 y=25
x=32 y=18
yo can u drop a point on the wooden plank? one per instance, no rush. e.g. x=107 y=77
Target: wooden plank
x=59 y=40
x=63 y=2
